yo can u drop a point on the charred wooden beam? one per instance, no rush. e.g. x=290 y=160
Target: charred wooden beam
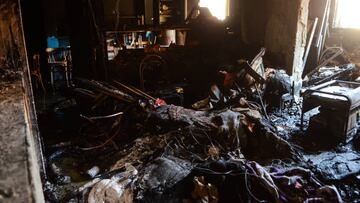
x=87 y=38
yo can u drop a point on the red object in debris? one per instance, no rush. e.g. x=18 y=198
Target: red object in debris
x=229 y=80
x=160 y=102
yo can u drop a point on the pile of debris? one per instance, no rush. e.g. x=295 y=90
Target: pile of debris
x=203 y=156
x=226 y=148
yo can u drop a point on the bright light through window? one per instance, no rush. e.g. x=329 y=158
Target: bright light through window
x=348 y=14
x=217 y=8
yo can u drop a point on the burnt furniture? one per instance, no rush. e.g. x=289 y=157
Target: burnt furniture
x=60 y=58
x=339 y=105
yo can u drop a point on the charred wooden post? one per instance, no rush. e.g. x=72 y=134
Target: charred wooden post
x=87 y=38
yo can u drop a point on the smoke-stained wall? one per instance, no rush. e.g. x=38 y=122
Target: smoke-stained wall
x=20 y=157
x=278 y=25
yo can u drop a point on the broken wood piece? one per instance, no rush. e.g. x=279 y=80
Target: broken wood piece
x=85 y=92
x=256 y=68
x=98 y=100
x=110 y=91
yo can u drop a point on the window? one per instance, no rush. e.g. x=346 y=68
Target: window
x=347 y=14
x=218 y=8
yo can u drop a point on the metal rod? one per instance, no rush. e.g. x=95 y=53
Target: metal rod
x=135 y=90
x=310 y=42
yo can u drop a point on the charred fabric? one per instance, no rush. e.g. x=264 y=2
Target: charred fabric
x=247 y=138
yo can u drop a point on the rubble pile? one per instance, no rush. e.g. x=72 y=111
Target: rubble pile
x=233 y=146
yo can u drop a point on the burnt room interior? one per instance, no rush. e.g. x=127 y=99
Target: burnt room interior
x=192 y=101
